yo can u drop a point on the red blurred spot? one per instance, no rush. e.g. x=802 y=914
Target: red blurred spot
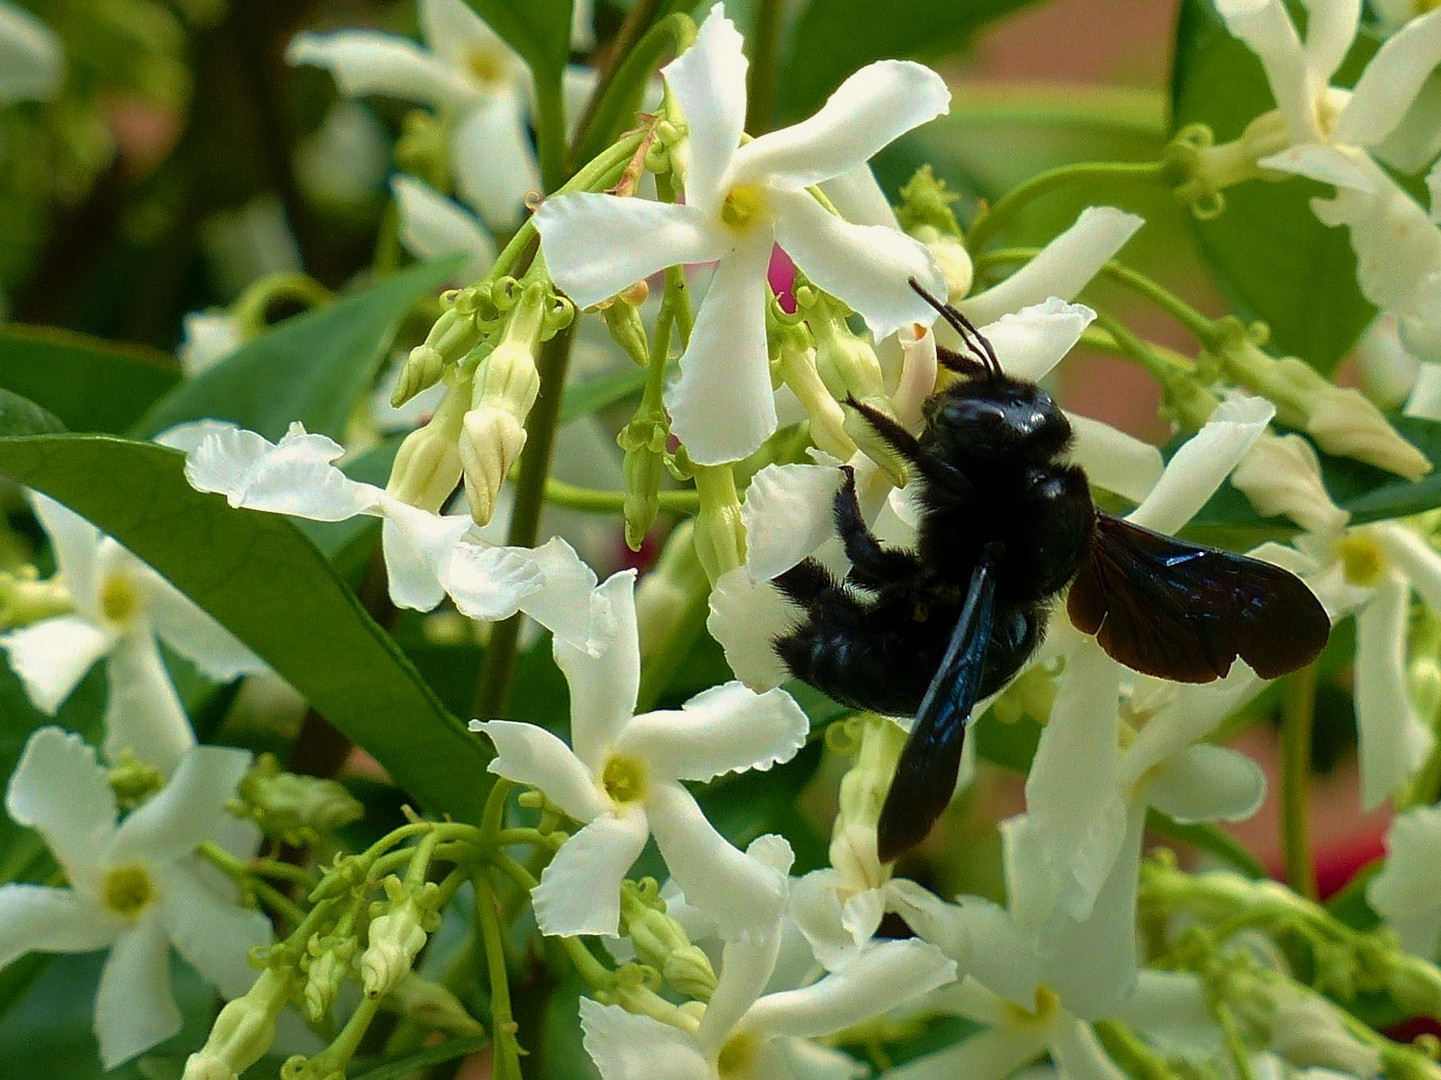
x=782 y=277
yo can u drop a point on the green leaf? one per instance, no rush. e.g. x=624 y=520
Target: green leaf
x=90 y=385
x=1268 y=252
x=261 y=579
x=831 y=39
x=21 y=416
x=537 y=29
x=424 y=1059
x=591 y=395
x=313 y=368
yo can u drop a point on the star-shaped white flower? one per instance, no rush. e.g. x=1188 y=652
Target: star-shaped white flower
x=135 y=886
x=466 y=71
x=740 y=201
x=121 y=608
x=746 y=1034
x=432 y=226
x=1404 y=893
x=622 y=781
x=31 y=60
x=427 y=556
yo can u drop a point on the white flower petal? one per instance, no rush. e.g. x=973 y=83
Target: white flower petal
x=1409 y=553
x=53 y=655
x=1424 y=400
x=1192 y=714
x=457 y=35
x=1266 y=28
x=569 y=605
x=890 y=975
x=206 y=338
x=1404 y=892
x=746 y=966
x=143 y=713
x=709 y=82
x=603 y=687
x=1030 y=342
x=859 y=198
x=1200 y=466
x=61 y=791
x=134 y=1008
x=1342 y=167
x=34 y=918
x=32 y=63
x=1171 y=1008
x=213 y=935
x=1208 y=783
x=787 y=515
x=989 y=1055
x=532 y=756
x=746 y=617
x=77 y=546
x=625 y=1046
x=744 y=896
x=183 y=814
x=817 y=909
x=638 y=237
x=871 y=109
x=490 y=583
x=1078 y=1053
x=364 y=62
x=1114 y=460
x=424 y=554
x=722 y=406
x=432 y=226
x=1391 y=82
x=866 y=266
x=579 y=891
x=1394 y=741
x=187 y=629
x=1331 y=27
x=294 y=476
x=495 y=167
x=724 y=729
x=1062 y=269
x=801 y=1059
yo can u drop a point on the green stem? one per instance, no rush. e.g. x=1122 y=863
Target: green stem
x=241 y=874
x=498 y=666
x=596 y=974
x=1297 y=716
x=765 y=43
x=507 y=1050
x=595 y=501
x=550 y=130
x=990 y=221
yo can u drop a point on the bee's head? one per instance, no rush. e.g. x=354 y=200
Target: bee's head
x=997 y=419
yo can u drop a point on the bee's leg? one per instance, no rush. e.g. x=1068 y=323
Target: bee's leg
x=810 y=585
x=899 y=439
x=872 y=565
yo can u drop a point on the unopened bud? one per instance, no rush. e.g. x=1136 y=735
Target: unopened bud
x=1281 y=475
x=720 y=534
x=244 y=1030
x=951 y=256
x=326 y=967
x=25 y=599
x=874 y=446
x=662 y=943
x=423 y=144
x=490 y=444
x=1387 y=369
x=1416 y=986
x=846 y=362
x=432 y=1006
x=427 y=466
x=796 y=366
x=643 y=441
x=667 y=594
x=397 y=935
x=622 y=319
x=292 y=808
x=133 y=781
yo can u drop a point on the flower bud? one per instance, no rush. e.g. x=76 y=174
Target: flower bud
x=244 y=1030
x=295 y=809
x=796 y=365
x=24 y=599
x=327 y=964
x=431 y=1005
x=490 y=444
x=622 y=319
x=397 y=936
x=1386 y=367
x=720 y=534
x=951 y=256
x=1281 y=475
x=644 y=442
x=427 y=466
x=661 y=942
x=133 y=780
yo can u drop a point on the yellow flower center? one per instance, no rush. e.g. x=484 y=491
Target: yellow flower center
x=624 y=779
x=1362 y=560
x=737 y=1055
x=744 y=204
x=1047 y=1005
x=119 y=599
x=128 y=890
x=487 y=66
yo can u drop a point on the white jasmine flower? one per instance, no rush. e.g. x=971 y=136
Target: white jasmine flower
x=740 y=202
x=1404 y=893
x=467 y=71
x=432 y=226
x=121 y=608
x=135 y=886
x=1327 y=130
x=208 y=337
x=344 y=162
x=427 y=556
x=745 y=1034
x=32 y=62
x=1388 y=371
x=622 y=781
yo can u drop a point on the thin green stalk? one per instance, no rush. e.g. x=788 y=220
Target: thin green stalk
x=550 y=131
x=498 y=666
x=595 y=501
x=990 y=221
x=1298 y=713
x=637 y=48
x=506 y=1065
x=765 y=43
x=238 y=872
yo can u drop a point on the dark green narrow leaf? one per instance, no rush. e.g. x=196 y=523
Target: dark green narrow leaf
x=313 y=368
x=424 y=1059
x=259 y=577
x=88 y=384
x=537 y=29
x=1268 y=252
x=21 y=416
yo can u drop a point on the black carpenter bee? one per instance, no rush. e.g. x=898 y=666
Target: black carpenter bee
x=1005 y=524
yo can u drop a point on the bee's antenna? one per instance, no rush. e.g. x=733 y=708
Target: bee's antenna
x=974 y=340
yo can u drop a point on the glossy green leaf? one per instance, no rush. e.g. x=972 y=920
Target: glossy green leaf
x=830 y=39
x=1268 y=252
x=88 y=384
x=21 y=416
x=313 y=368
x=537 y=29
x=259 y=577
x=590 y=395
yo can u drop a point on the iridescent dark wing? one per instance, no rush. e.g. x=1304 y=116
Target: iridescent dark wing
x=1185 y=612
x=926 y=773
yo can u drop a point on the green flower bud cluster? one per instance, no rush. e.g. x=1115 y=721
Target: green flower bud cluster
x=25 y=599
x=294 y=809
x=662 y=943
